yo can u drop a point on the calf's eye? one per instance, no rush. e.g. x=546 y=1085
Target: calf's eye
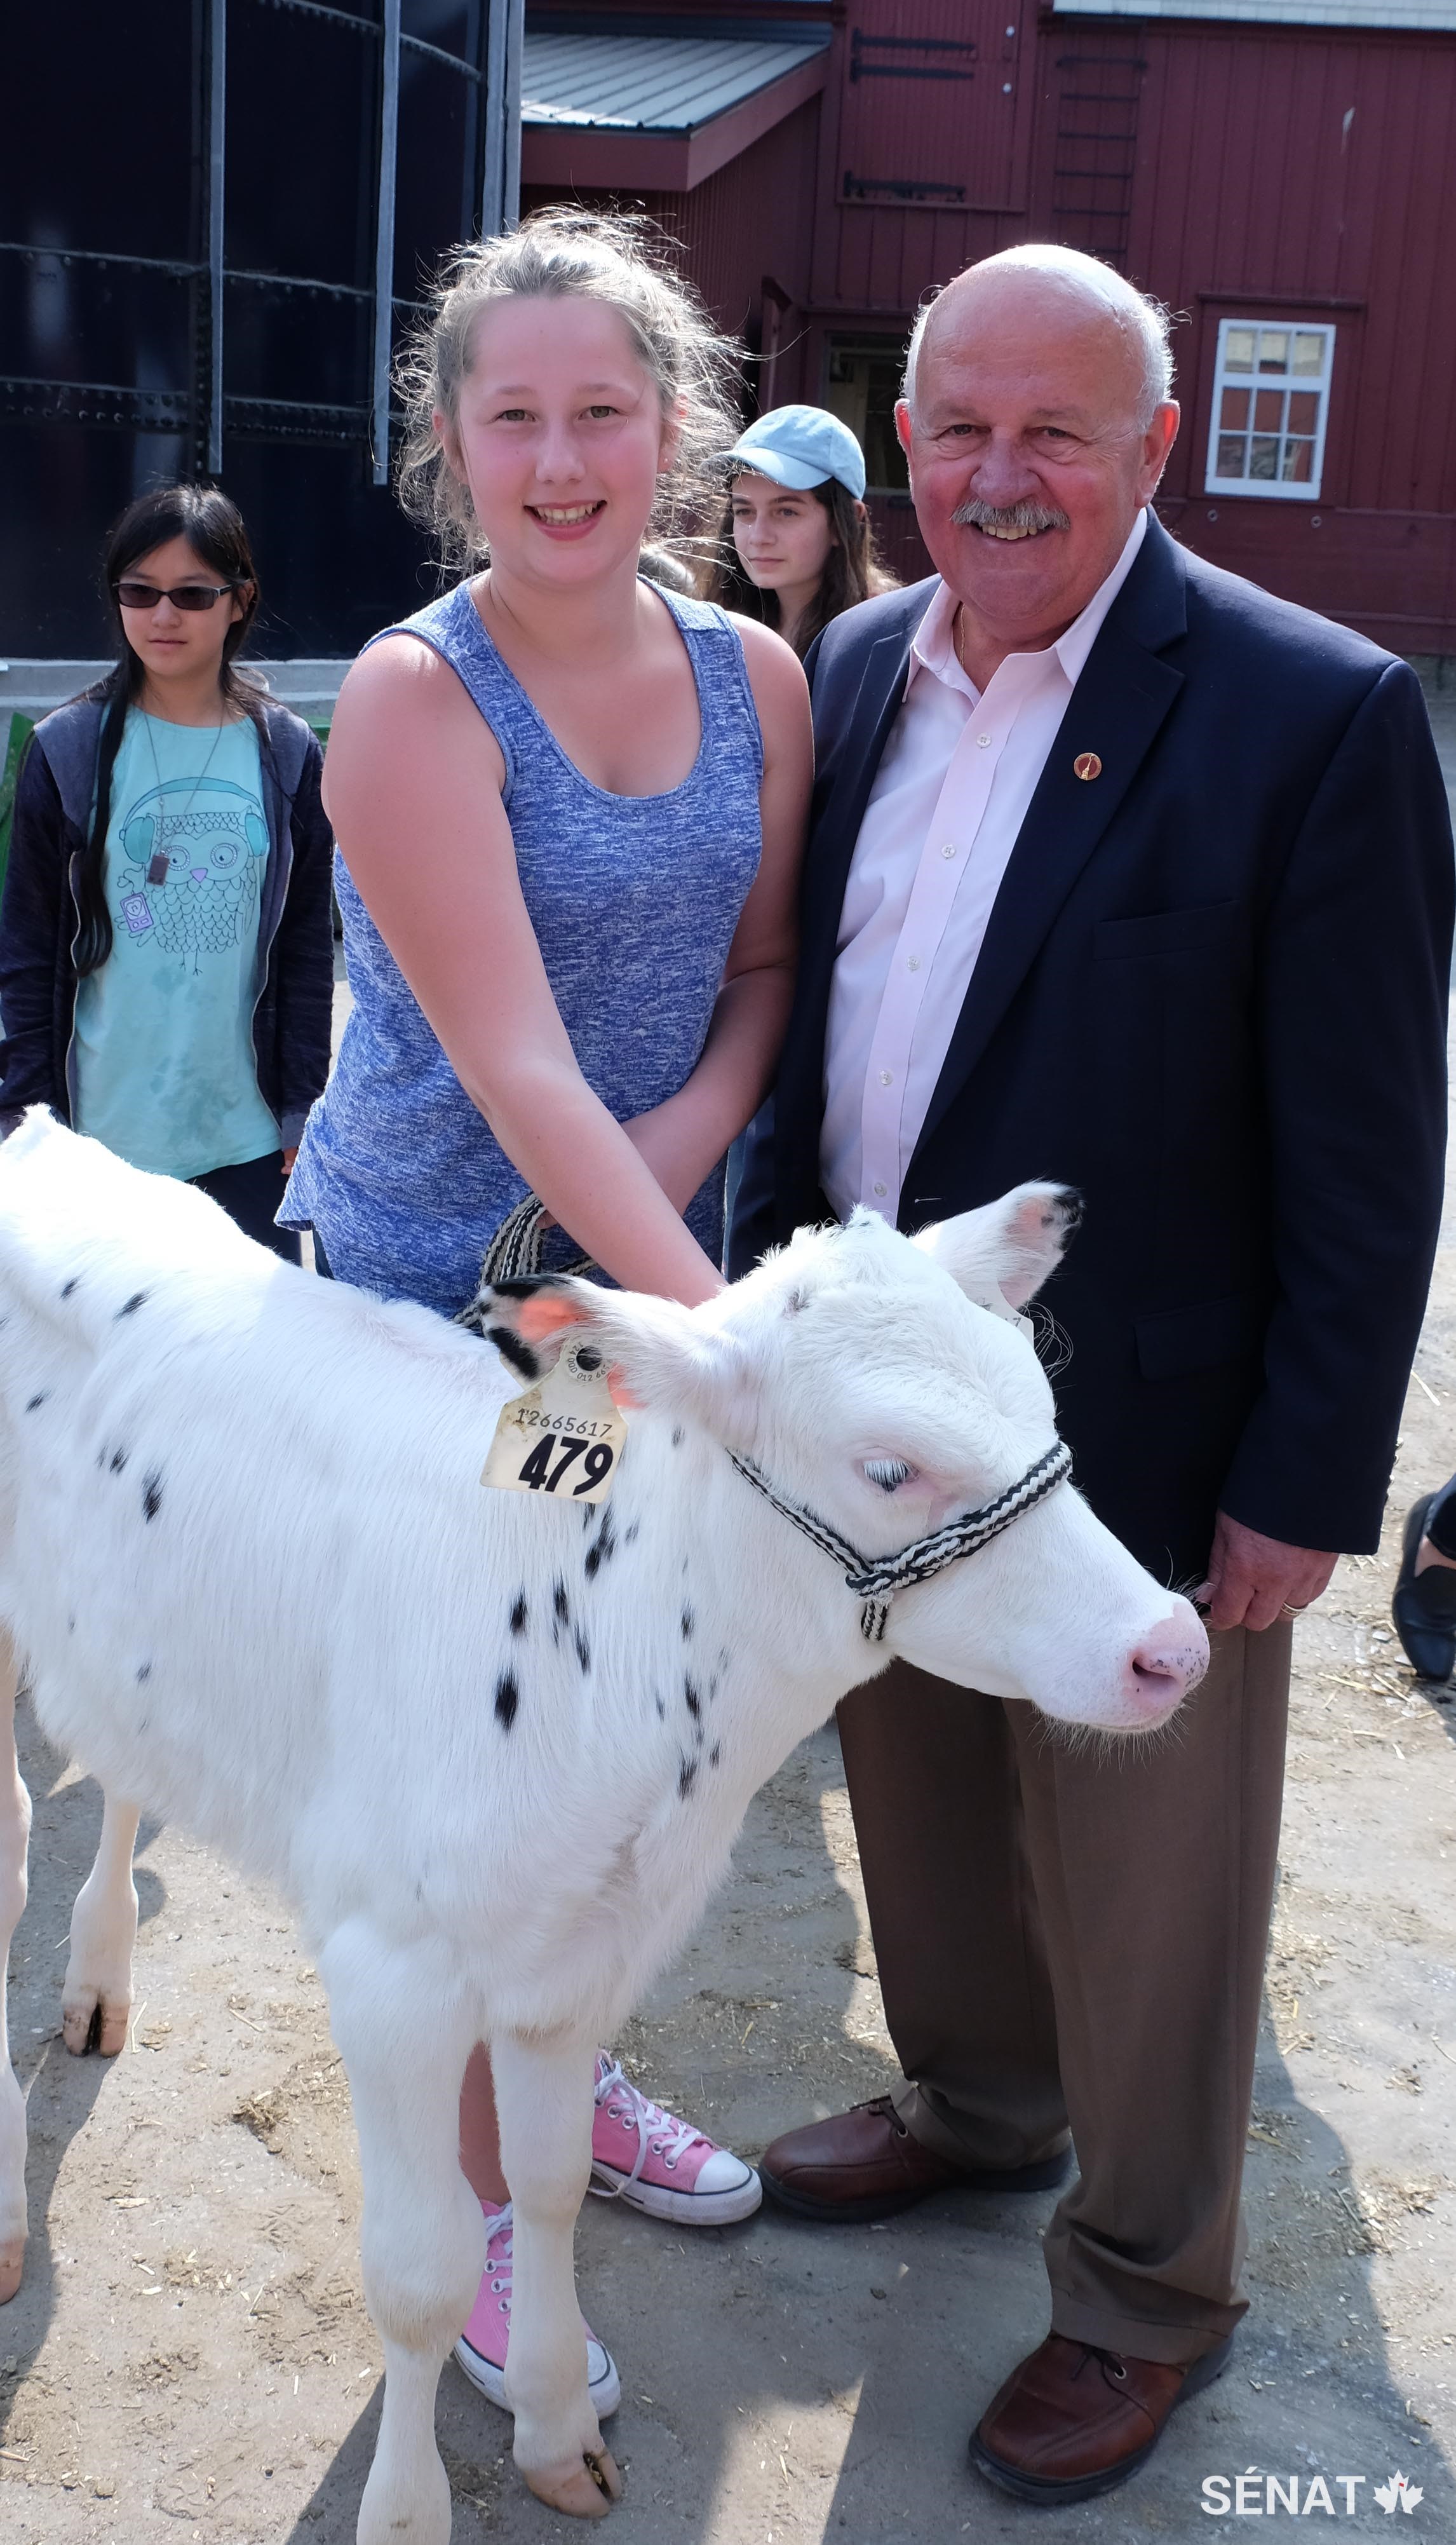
x=887 y=1473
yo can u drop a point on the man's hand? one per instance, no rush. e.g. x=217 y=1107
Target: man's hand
x=1253 y=1579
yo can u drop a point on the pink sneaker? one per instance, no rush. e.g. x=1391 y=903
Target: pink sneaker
x=481 y=2348
x=644 y=2156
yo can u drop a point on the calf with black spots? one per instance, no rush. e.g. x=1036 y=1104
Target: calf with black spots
x=317 y=1641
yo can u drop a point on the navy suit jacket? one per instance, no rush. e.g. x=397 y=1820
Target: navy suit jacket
x=1212 y=996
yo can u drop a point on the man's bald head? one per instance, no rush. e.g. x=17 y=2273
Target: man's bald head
x=1036 y=423
x=1020 y=278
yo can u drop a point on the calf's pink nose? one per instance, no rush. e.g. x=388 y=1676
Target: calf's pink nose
x=1162 y=1668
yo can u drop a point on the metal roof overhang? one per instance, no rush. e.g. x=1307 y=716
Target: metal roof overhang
x=654 y=115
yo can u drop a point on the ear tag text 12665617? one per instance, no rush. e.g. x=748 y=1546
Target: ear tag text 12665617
x=561 y=1437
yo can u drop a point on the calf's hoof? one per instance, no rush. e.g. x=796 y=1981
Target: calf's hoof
x=12 y=2265
x=92 y=2020
x=585 y=2487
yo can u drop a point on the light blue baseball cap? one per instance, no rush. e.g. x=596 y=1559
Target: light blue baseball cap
x=799 y=446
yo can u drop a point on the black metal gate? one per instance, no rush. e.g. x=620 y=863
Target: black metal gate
x=214 y=216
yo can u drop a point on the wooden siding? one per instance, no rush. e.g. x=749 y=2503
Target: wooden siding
x=928 y=104
x=752 y=220
x=1280 y=173
x=1307 y=173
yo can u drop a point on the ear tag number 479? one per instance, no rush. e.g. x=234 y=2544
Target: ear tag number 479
x=561 y=1437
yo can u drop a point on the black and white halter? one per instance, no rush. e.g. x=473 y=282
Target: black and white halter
x=876 y=1579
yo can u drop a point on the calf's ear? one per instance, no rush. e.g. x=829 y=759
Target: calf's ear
x=1002 y=1254
x=663 y=1358
x=520 y=1317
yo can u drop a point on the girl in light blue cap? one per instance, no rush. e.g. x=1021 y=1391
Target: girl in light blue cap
x=796 y=547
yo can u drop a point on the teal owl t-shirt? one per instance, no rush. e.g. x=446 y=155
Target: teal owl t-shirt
x=165 y=1070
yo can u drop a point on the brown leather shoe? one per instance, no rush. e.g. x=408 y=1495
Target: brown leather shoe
x=864 y=2165
x=1073 y=2420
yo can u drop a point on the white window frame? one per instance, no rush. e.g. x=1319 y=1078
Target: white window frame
x=1281 y=490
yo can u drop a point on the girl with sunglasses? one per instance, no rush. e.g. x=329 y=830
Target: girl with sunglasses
x=166 y=937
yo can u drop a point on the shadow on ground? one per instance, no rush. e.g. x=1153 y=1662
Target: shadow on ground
x=790 y=2382
x=61 y=2092
x=190 y=2343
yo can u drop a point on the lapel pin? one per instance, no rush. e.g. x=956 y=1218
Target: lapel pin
x=1087 y=765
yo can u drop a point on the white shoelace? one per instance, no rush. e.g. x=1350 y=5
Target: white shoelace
x=501 y=2271
x=659 y=2133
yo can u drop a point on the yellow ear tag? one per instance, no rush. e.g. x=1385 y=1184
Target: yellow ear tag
x=562 y=1435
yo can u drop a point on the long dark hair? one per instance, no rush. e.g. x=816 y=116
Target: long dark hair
x=851 y=569
x=212 y=526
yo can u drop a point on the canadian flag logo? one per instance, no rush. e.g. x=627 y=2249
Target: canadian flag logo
x=1398 y=2493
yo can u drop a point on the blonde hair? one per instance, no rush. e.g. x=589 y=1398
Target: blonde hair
x=621 y=259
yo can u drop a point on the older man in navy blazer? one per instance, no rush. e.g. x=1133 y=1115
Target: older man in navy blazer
x=1125 y=873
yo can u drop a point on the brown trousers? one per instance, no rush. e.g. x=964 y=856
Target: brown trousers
x=1074 y=1933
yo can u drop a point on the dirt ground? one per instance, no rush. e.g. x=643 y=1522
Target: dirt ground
x=782 y=2384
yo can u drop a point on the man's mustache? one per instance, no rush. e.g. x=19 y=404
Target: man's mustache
x=976 y=515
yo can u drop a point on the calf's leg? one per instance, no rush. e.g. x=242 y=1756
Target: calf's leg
x=96 y=1995
x=15 y=1834
x=544 y=2096
x=406 y=2025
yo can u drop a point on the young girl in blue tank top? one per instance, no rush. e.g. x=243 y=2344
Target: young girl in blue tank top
x=569 y=812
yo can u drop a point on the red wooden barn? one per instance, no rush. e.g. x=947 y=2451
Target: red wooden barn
x=1282 y=173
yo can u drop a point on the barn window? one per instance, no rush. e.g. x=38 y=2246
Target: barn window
x=1270 y=399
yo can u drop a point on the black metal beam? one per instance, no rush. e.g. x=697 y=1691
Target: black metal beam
x=101 y=256
x=296 y=420
x=178 y=271
x=96 y=402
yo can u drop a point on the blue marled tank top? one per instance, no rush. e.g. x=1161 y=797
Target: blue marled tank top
x=635 y=900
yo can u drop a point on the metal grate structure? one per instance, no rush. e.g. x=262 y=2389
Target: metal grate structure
x=224 y=264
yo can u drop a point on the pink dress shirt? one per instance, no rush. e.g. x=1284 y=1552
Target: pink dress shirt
x=958 y=774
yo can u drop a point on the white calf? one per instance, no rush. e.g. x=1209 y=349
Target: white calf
x=497 y=1749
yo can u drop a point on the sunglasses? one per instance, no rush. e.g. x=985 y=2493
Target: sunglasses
x=183 y=596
